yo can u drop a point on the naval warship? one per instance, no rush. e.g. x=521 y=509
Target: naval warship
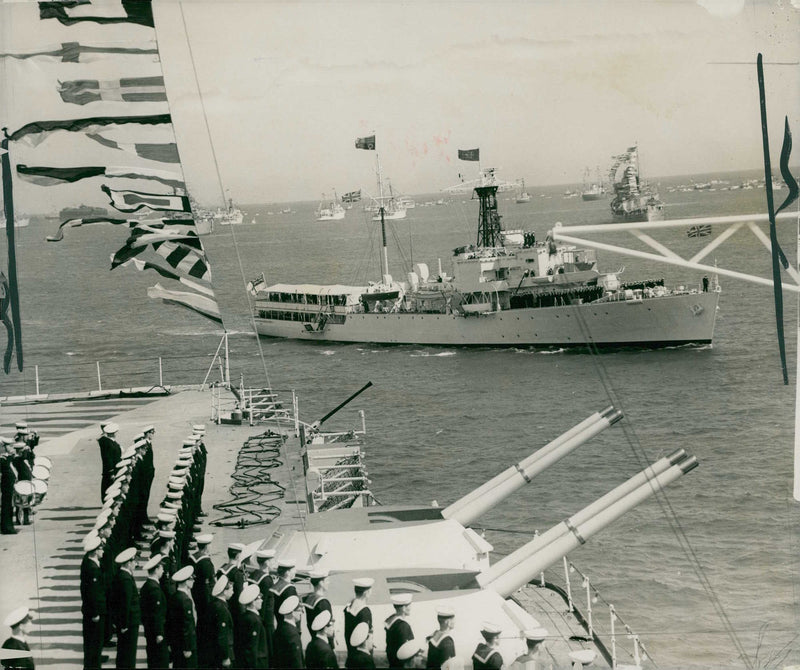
x=506 y=289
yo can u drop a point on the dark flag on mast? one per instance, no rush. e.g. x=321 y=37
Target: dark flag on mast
x=469 y=154
x=366 y=143
x=791 y=182
x=778 y=257
x=9 y=289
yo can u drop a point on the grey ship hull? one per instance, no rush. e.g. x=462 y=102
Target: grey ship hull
x=652 y=322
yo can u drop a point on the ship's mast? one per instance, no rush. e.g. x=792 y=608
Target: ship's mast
x=384 y=253
x=489 y=227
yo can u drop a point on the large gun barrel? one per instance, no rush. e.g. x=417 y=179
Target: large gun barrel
x=529 y=561
x=319 y=422
x=474 y=504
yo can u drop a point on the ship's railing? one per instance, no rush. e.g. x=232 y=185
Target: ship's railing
x=98 y=377
x=599 y=618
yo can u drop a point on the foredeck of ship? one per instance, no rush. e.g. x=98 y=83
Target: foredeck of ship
x=41 y=563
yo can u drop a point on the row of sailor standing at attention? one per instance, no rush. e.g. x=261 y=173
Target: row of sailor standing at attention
x=405 y=650
x=111 y=602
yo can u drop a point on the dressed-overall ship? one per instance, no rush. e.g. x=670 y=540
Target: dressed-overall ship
x=634 y=199
x=507 y=289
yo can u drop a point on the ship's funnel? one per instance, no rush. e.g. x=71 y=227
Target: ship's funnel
x=474 y=504
x=530 y=560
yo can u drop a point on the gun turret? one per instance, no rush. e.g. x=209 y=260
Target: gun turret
x=474 y=504
x=527 y=562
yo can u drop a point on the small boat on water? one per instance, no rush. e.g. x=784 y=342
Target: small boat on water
x=522 y=196
x=634 y=199
x=230 y=216
x=593 y=190
x=509 y=289
x=329 y=209
x=391 y=207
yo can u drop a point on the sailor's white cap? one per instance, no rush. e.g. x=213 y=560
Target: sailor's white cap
x=123 y=462
x=17 y=616
x=91 y=541
x=126 y=555
x=110 y=428
x=205 y=538
x=220 y=585
x=583 y=656
x=147 y=429
x=102 y=519
x=445 y=612
x=264 y=554
x=130 y=452
x=154 y=561
x=189 y=443
x=163 y=517
x=166 y=534
x=363 y=583
x=535 y=634
x=360 y=634
x=175 y=484
x=408 y=649
x=401 y=599
x=490 y=629
x=21 y=425
x=174 y=495
x=6 y=440
x=183 y=574
x=19 y=445
x=289 y=605
x=199 y=428
x=236 y=546
x=321 y=620
x=286 y=563
x=169 y=511
x=319 y=573
x=249 y=594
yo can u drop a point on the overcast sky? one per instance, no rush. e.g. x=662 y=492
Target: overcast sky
x=544 y=89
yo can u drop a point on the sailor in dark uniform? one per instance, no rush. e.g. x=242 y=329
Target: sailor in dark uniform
x=441 y=646
x=8 y=477
x=358 y=611
x=359 y=643
x=233 y=571
x=201 y=593
x=398 y=630
x=316 y=601
x=262 y=578
x=486 y=654
x=148 y=472
x=288 y=647
x=153 y=603
x=93 y=602
x=220 y=625
x=182 y=621
x=18 y=621
x=252 y=651
x=26 y=435
x=203 y=573
x=110 y=453
x=319 y=653
x=283 y=587
x=537 y=655
x=408 y=653
x=126 y=609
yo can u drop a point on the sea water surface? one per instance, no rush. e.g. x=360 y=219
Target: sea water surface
x=699 y=574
